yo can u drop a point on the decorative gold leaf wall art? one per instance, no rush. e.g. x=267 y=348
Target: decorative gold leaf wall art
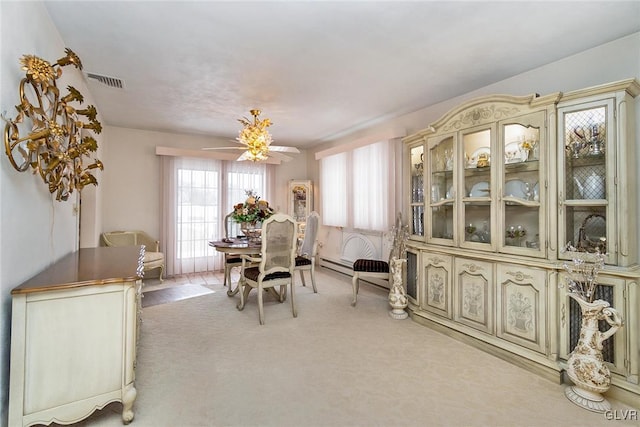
x=49 y=134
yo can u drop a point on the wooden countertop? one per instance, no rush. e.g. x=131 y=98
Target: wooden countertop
x=86 y=267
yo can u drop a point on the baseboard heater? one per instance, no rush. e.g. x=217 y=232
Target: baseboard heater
x=344 y=268
x=339 y=266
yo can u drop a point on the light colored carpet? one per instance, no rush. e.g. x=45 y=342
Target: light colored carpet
x=201 y=362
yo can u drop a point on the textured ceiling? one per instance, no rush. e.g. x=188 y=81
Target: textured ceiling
x=316 y=69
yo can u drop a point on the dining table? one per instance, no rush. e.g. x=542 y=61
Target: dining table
x=236 y=246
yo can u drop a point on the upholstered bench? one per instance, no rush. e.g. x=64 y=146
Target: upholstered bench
x=378 y=269
x=368 y=268
x=153 y=258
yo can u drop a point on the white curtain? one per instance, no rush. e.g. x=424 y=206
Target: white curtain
x=243 y=176
x=357 y=187
x=371 y=165
x=197 y=194
x=334 y=190
x=191 y=214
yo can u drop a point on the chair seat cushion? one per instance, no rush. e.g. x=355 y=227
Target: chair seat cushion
x=371 y=266
x=233 y=260
x=153 y=257
x=301 y=260
x=253 y=273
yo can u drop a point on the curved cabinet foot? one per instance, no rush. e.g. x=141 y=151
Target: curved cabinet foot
x=128 y=397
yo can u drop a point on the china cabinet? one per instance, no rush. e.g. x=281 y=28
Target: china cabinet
x=300 y=202
x=496 y=189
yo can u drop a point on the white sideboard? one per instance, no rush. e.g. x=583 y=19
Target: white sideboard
x=73 y=337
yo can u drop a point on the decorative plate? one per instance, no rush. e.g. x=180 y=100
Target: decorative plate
x=480 y=189
x=516 y=188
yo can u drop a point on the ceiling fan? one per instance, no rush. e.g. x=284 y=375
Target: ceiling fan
x=256 y=141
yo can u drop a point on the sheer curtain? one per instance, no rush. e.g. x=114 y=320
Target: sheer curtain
x=191 y=214
x=197 y=194
x=334 y=189
x=243 y=176
x=372 y=168
x=357 y=187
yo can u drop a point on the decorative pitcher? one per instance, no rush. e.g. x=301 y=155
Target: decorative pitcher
x=586 y=367
x=592 y=188
x=397 y=295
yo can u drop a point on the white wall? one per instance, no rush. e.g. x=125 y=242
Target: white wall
x=610 y=62
x=35 y=230
x=132 y=192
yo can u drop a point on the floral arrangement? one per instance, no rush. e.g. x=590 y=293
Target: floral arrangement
x=252 y=210
x=583 y=272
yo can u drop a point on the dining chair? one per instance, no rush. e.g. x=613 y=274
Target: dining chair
x=275 y=265
x=306 y=259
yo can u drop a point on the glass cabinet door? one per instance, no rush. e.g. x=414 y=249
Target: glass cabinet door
x=417 y=190
x=522 y=173
x=442 y=190
x=477 y=184
x=586 y=195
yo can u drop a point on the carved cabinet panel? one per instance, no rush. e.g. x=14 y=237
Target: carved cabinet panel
x=521 y=297
x=436 y=294
x=473 y=294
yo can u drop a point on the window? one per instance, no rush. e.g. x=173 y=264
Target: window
x=198 y=194
x=357 y=187
x=197 y=206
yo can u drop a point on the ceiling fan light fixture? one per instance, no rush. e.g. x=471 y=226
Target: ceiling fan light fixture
x=255 y=136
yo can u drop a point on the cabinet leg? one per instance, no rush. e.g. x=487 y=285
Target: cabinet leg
x=128 y=397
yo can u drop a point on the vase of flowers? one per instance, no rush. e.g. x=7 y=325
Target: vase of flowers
x=251 y=213
x=586 y=367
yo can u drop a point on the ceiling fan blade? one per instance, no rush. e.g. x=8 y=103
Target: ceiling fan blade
x=244 y=156
x=283 y=149
x=224 y=148
x=279 y=156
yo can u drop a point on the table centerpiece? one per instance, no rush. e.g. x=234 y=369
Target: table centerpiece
x=251 y=213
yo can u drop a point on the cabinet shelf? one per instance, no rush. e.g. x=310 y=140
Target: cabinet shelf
x=587 y=203
x=442 y=202
x=515 y=201
x=516 y=168
x=586 y=160
x=476 y=200
x=477 y=171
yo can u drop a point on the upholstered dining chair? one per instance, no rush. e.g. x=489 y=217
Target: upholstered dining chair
x=306 y=259
x=378 y=269
x=153 y=258
x=275 y=266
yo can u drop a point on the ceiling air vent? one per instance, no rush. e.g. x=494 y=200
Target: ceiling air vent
x=105 y=80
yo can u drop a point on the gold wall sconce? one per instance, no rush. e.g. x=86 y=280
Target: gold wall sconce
x=47 y=134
